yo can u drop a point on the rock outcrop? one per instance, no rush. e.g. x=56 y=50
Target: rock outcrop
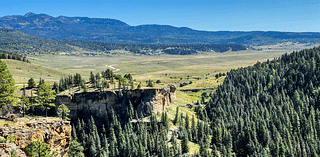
x=7 y=148
x=143 y=100
x=53 y=131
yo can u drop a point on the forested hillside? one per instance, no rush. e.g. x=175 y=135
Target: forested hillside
x=16 y=42
x=20 y=43
x=269 y=109
x=116 y=31
x=120 y=136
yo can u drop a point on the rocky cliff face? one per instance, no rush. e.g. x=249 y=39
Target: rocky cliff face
x=143 y=100
x=53 y=131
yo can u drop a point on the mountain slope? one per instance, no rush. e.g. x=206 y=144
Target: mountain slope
x=270 y=108
x=115 y=31
x=18 y=42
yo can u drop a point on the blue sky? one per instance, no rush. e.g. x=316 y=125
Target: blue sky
x=210 y=15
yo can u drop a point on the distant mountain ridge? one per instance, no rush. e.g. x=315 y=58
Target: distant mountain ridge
x=116 y=31
x=21 y=43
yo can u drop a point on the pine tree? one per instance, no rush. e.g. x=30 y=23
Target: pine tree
x=41 y=81
x=200 y=129
x=31 y=83
x=92 y=78
x=150 y=83
x=75 y=149
x=25 y=104
x=130 y=111
x=63 y=111
x=174 y=143
x=187 y=122
x=217 y=137
x=74 y=134
x=45 y=97
x=141 y=150
x=105 y=145
x=184 y=144
x=92 y=147
x=7 y=88
x=215 y=152
x=113 y=143
x=165 y=121
x=176 y=118
x=194 y=131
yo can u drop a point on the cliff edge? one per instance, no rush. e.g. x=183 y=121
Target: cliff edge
x=53 y=131
x=156 y=100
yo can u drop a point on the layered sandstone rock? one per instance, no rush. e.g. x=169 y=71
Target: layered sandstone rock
x=143 y=100
x=53 y=131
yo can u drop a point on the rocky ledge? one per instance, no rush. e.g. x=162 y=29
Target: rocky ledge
x=53 y=131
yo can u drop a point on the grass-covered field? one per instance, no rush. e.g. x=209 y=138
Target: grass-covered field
x=167 y=68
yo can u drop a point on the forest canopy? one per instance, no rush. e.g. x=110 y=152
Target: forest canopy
x=270 y=108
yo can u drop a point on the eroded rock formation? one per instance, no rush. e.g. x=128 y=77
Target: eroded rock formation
x=53 y=131
x=143 y=100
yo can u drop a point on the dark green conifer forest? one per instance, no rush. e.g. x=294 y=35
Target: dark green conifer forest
x=268 y=109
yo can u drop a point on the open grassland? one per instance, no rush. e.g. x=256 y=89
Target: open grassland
x=196 y=71
x=167 y=68
x=23 y=71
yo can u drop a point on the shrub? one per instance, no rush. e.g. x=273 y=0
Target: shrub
x=3 y=140
x=11 y=138
x=149 y=83
x=183 y=84
x=36 y=148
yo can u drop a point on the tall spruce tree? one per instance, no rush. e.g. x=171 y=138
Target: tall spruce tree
x=7 y=88
x=185 y=143
x=45 y=97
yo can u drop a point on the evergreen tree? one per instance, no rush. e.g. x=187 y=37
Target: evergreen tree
x=7 y=88
x=176 y=118
x=217 y=137
x=149 y=83
x=165 y=121
x=194 y=131
x=41 y=81
x=31 y=83
x=113 y=143
x=104 y=145
x=130 y=111
x=184 y=144
x=45 y=97
x=56 y=87
x=92 y=147
x=92 y=78
x=63 y=111
x=75 y=149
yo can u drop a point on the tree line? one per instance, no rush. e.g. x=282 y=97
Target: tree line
x=174 y=49
x=6 y=55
